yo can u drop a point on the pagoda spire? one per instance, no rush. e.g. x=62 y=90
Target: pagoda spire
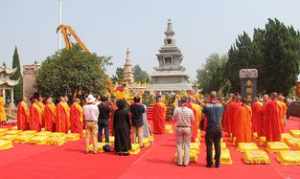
x=127 y=57
x=169 y=40
x=127 y=69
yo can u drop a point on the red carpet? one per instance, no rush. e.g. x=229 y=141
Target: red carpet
x=69 y=161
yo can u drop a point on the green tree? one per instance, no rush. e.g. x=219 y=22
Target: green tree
x=18 y=89
x=118 y=77
x=211 y=75
x=73 y=71
x=140 y=76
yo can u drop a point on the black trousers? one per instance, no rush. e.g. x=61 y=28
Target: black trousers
x=213 y=138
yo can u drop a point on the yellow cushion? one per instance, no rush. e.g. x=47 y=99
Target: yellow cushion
x=57 y=134
x=146 y=142
x=194 y=145
x=23 y=138
x=57 y=139
x=295 y=133
x=285 y=136
x=193 y=156
x=28 y=132
x=5 y=144
x=276 y=146
x=293 y=142
x=40 y=140
x=243 y=146
x=43 y=133
x=135 y=147
x=169 y=129
x=225 y=157
x=72 y=137
x=289 y=157
x=2 y=130
x=256 y=157
x=13 y=132
x=9 y=137
x=134 y=152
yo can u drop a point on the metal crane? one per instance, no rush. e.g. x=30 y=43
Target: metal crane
x=67 y=31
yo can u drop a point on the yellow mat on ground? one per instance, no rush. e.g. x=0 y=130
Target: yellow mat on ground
x=289 y=157
x=57 y=139
x=99 y=147
x=256 y=157
x=147 y=142
x=73 y=137
x=13 y=132
x=43 y=133
x=5 y=144
x=225 y=157
x=246 y=146
x=293 y=143
x=193 y=156
x=285 y=136
x=28 y=132
x=39 y=140
x=295 y=133
x=169 y=129
x=3 y=130
x=276 y=146
x=23 y=138
x=9 y=137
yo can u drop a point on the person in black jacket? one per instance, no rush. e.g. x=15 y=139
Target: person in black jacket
x=137 y=109
x=121 y=126
x=104 y=110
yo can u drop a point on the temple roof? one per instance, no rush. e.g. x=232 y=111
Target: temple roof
x=8 y=82
x=7 y=71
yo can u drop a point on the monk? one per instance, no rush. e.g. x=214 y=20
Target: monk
x=159 y=116
x=35 y=115
x=256 y=115
x=243 y=132
x=197 y=113
x=2 y=111
x=76 y=117
x=42 y=107
x=262 y=129
x=23 y=115
x=50 y=115
x=227 y=119
x=282 y=110
x=234 y=114
x=63 y=115
x=272 y=120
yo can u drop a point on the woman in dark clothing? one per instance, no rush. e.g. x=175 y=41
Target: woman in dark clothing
x=121 y=125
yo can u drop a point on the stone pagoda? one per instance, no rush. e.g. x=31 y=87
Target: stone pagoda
x=127 y=69
x=170 y=75
x=6 y=83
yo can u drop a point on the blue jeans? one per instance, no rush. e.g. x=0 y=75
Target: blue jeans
x=106 y=133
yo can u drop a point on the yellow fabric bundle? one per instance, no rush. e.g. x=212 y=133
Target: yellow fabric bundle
x=5 y=144
x=23 y=138
x=9 y=137
x=99 y=147
x=13 y=132
x=57 y=138
x=246 y=146
x=72 y=137
x=193 y=156
x=135 y=149
x=276 y=146
x=285 y=136
x=194 y=146
x=147 y=142
x=256 y=157
x=29 y=132
x=295 y=133
x=225 y=157
x=289 y=157
x=293 y=142
x=169 y=129
x=43 y=133
x=2 y=131
x=39 y=139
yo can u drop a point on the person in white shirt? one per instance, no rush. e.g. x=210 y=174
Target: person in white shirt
x=91 y=113
x=183 y=117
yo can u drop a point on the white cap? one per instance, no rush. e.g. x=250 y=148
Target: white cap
x=90 y=99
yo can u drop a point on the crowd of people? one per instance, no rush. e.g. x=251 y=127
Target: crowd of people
x=242 y=120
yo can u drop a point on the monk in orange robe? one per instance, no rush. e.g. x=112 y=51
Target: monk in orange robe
x=76 y=117
x=227 y=119
x=197 y=113
x=42 y=107
x=256 y=116
x=2 y=111
x=23 y=116
x=35 y=115
x=282 y=110
x=243 y=125
x=50 y=115
x=234 y=115
x=272 y=120
x=159 y=116
x=63 y=115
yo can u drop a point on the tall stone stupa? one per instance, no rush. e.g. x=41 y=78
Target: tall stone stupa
x=127 y=69
x=170 y=75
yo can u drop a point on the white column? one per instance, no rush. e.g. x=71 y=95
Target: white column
x=4 y=95
x=12 y=95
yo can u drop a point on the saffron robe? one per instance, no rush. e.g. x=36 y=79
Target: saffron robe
x=257 y=117
x=2 y=110
x=23 y=116
x=76 y=118
x=272 y=121
x=50 y=117
x=243 y=125
x=159 y=118
x=62 y=117
x=35 y=117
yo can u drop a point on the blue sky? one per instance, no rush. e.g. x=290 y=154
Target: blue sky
x=109 y=27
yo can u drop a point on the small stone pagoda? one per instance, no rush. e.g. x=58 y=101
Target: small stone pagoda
x=127 y=69
x=170 y=75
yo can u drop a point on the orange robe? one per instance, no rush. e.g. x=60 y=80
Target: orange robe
x=257 y=117
x=76 y=118
x=2 y=110
x=35 y=117
x=196 y=123
x=62 y=117
x=227 y=118
x=159 y=118
x=272 y=121
x=50 y=117
x=23 y=116
x=282 y=108
x=243 y=125
x=42 y=107
x=235 y=117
